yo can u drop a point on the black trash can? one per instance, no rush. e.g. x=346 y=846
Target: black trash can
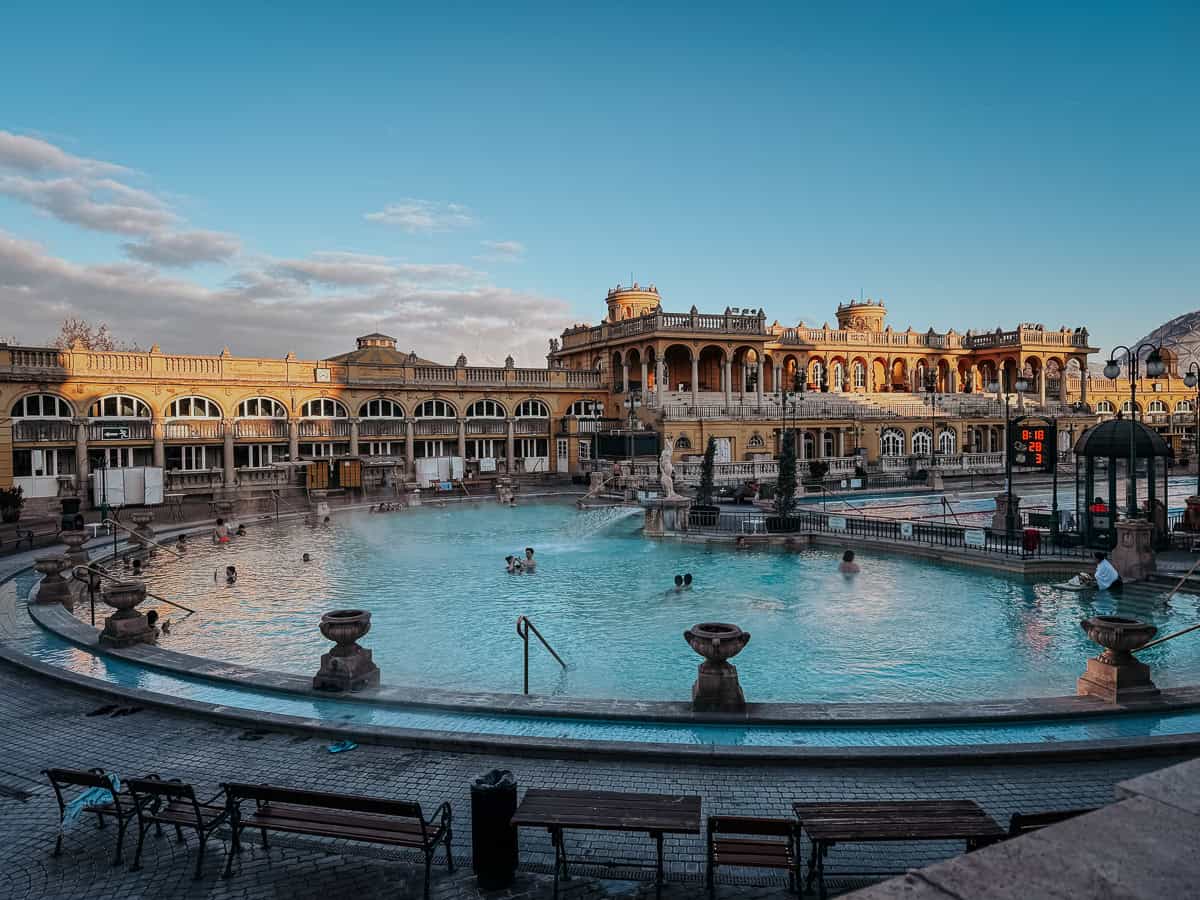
x=493 y=837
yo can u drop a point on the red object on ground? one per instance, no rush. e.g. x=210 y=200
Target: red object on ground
x=1033 y=539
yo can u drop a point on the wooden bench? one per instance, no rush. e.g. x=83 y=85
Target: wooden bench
x=1024 y=823
x=120 y=807
x=17 y=533
x=174 y=803
x=730 y=844
x=396 y=823
x=828 y=824
x=654 y=814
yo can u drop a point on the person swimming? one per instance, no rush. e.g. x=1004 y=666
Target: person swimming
x=306 y=558
x=241 y=530
x=687 y=581
x=181 y=543
x=230 y=574
x=678 y=583
x=220 y=532
x=137 y=568
x=848 y=565
x=529 y=562
x=512 y=564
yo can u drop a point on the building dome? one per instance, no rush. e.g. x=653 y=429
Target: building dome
x=1180 y=338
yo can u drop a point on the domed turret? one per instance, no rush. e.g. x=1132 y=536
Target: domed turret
x=631 y=302
x=862 y=315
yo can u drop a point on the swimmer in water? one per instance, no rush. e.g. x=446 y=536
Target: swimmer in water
x=220 y=533
x=512 y=565
x=181 y=543
x=306 y=558
x=687 y=581
x=230 y=574
x=678 y=583
x=241 y=530
x=848 y=565
x=529 y=563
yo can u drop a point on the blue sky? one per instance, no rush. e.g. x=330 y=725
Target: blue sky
x=490 y=172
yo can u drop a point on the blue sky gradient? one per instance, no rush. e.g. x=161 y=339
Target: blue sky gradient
x=972 y=165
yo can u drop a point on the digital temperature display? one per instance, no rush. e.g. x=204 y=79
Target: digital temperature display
x=1033 y=446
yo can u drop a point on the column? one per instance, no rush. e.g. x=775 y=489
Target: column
x=293 y=439
x=462 y=437
x=646 y=376
x=81 y=458
x=759 y=385
x=820 y=448
x=160 y=452
x=509 y=448
x=354 y=420
x=1041 y=377
x=227 y=454
x=1083 y=380
x=777 y=379
x=660 y=378
x=695 y=378
x=625 y=376
x=841 y=442
x=728 y=378
x=410 y=447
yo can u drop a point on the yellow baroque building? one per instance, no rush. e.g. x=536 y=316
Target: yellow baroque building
x=860 y=393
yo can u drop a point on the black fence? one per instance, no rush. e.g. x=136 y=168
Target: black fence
x=1026 y=544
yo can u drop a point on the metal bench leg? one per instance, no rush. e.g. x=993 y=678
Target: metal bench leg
x=428 y=866
x=200 y=854
x=137 y=855
x=121 y=826
x=235 y=846
x=658 y=871
x=449 y=853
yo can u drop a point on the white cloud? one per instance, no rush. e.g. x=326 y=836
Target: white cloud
x=265 y=314
x=503 y=251
x=180 y=249
x=33 y=155
x=423 y=216
x=96 y=204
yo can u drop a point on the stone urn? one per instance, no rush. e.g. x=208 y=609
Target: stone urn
x=54 y=588
x=347 y=667
x=75 y=541
x=1191 y=515
x=1116 y=675
x=716 y=688
x=141 y=519
x=126 y=626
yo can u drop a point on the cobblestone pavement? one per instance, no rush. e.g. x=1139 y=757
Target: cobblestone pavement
x=47 y=725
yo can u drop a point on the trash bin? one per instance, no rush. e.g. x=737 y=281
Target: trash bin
x=1033 y=540
x=493 y=837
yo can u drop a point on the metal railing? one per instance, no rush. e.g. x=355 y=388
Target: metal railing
x=524 y=626
x=114 y=524
x=90 y=569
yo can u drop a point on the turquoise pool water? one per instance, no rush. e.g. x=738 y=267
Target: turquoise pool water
x=444 y=610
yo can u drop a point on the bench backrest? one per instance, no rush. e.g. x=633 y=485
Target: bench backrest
x=267 y=793
x=1024 y=823
x=155 y=786
x=752 y=825
x=78 y=778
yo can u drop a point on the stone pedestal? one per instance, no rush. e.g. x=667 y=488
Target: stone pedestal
x=1133 y=556
x=75 y=540
x=141 y=519
x=54 y=588
x=413 y=497
x=320 y=504
x=716 y=688
x=126 y=626
x=347 y=667
x=72 y=519
x=1000 y=516
x=666 y=515
x=1115 y=676
x=1191 y=516
x=504 y=490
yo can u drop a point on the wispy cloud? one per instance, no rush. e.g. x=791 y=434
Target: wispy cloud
x=502 y=251
x=35 y=156
x=423 y=216
x=185 y=248
x=340 y=269
x=96 y=204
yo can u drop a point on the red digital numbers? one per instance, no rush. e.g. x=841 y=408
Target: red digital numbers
x=1032 y=446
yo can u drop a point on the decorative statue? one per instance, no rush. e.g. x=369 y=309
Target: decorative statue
x=667 y=470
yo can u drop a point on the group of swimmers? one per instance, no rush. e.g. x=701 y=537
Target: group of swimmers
x=220 y=532
x=515 y=565
x=386 y=507
x=683 y=582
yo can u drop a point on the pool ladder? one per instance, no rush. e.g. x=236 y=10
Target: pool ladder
x=524 y=626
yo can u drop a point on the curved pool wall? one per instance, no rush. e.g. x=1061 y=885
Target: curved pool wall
x=903 y=630
x=1035 y=729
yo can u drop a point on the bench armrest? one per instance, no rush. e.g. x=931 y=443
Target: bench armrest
x=441 y=820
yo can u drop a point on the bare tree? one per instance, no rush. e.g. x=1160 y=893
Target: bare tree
x=80 y=332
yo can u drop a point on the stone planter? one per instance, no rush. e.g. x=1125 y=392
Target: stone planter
x=75 y=541
x=347 y=667
x=1116 y=675
x=54 y=588
x=141 y=519
x=126 y=626
x=1133 y=555
x=716 y=688
x=72 y=519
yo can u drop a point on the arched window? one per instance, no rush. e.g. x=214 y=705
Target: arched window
x=947 y=442
x=755 y=442
x=891 y=442
x=119 y=406
x=922 y=442
x=261 y=408
x=485 y=409
x=818 y=372
x=586 y=409
x=323 y=408
x=683 y=442
x=836 y=381
x=435 y=409
x=193 y=408
x=1183 y=406
x=533 y=409
x=1156 y=406
x=1105 y=407
x=381 y=408
x=42 y=406
x=860 y=375
x=1128 y=408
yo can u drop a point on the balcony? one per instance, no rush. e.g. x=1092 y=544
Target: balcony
x=324 y=428
x=370 y=428
x=261 y=428
x=436 y=426
x=43 y=431
x=487 y=426
x=531 y=426
x=121 y=430
x=194 y=430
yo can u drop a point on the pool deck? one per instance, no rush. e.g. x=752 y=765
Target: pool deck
x=51 y=723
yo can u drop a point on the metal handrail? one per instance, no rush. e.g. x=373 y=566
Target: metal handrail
x=111 y=577
x=523 y=633
x=113 y=523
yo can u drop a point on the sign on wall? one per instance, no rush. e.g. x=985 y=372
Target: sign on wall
x=906 y=530
x=837 y=523
x=975 y=537
x=114 y=433
x=1033 y=444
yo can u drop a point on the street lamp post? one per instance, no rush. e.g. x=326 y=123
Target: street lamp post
x=631 y=401
x=1021 y=386
x=1155 y=366
x=931 y=390
x=1192 y=379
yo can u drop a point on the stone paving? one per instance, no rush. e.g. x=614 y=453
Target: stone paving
x=46 y=725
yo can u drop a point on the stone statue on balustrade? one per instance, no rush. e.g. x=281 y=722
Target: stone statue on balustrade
x=667 y=470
